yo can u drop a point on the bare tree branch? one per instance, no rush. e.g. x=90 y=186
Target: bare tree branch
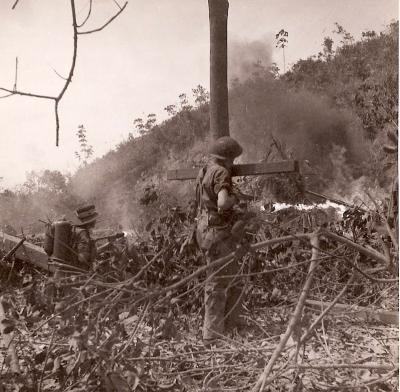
x=57 y=122
x=68 y=79
x=60 y=76
x=71 y=71
x=87 y=16
x=105 y=24
x=15 y=4
x=25 y=94
x=6 y=96
x=16 y=74
x=116 y=2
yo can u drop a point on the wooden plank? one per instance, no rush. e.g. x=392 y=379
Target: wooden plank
x=359 y=312
x=247 y=169
x=26 y=252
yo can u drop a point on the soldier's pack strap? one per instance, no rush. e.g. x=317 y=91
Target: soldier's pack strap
x=199 y=188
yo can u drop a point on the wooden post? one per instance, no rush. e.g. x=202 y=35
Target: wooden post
x=219 y=112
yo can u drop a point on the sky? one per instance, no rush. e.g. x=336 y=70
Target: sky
x=139 y=64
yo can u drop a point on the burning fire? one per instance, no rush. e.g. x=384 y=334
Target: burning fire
x=305 y=207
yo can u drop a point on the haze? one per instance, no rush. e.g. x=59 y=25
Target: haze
x=155 y=50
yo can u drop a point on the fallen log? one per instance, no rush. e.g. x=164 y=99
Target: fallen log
x=27 y=252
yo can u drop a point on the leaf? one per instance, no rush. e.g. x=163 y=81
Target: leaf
x=133 y=379
x=8 y=326
x=118 y=383
x=40 y=357
x=261 y=363
x=66 y=331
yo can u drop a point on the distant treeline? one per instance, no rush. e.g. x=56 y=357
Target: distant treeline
x=334 y=110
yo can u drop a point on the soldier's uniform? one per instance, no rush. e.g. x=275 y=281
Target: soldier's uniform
x=83 y=245
x=222 y=294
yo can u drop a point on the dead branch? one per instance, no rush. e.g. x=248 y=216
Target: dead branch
x=15 y=4
x=25 y=94
x=68 y=79
x=226 y=259
x=326 y=311
x=8 y=341
x=376 y=280
x=133 y=334
x=369 y=366
x=60 y=76
x=71 y=70
x=16 y=74
x=87 y=16
x=46 y=359
x=6 y=96
x=105 y=24
x=372 y=253
x=262 y=381
x=387 y=226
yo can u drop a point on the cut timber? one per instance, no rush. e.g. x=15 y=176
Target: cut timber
x=248 y=169
x=381 y=316
x=26 y=252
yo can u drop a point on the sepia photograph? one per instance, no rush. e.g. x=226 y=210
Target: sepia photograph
x=199 y=195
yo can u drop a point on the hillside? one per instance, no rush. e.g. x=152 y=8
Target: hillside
x=330 y=110
x=333 y=110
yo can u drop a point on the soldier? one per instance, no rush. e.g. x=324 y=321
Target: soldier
x=215 y=200
x=82 y=243
x=70 y=242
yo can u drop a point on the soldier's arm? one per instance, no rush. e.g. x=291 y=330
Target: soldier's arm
x=226 y=200
x=83 y=248
x=223 y=189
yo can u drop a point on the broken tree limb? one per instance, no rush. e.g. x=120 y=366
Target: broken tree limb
x=8 y=341
x=369 y=366
x=372 y=253
x=359 y=312
x=263 y=379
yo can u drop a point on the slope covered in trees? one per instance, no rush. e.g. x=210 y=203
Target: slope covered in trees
x=334 y=110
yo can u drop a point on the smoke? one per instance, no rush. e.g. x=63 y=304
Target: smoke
x=246 y=58
x=306 y=125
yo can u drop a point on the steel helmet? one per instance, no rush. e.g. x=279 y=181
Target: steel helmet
x=225 y=148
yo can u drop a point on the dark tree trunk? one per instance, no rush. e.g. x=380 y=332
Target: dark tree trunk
x=219 y=113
